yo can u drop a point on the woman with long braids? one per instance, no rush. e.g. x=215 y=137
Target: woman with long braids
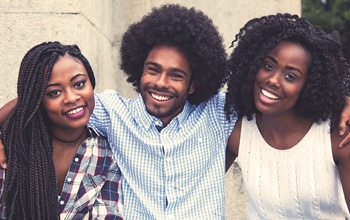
x=287 y=85
x=58 y=167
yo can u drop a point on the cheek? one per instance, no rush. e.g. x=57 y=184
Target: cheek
x=294 y=90
x=143 y=80
x=259 y=76
x=51 y=114
x=51 y=106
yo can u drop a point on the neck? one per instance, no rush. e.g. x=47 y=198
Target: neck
x=69 y=141
x=283 y=122
x=282 y=132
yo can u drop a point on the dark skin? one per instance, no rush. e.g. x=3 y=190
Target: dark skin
x=65 y=91
x=342 y=131
x=340 y=155
x=277 y=87
x=63 y=154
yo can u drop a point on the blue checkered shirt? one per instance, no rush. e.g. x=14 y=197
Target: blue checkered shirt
x=177 y=173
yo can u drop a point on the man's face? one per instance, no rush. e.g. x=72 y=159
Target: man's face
x=165 y=82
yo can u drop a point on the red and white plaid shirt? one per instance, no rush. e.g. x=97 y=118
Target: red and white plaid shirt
x=92 y=184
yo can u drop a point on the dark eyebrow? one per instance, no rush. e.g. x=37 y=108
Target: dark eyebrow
x=172 y=69
x=287 y=67
x=73 y=78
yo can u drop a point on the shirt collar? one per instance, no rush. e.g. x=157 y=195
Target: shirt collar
x=146 y=120
x=92 y=132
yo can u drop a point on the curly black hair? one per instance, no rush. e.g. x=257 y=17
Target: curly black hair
x=323 y=95
x=192 y=32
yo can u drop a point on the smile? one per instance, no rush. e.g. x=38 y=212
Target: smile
x=269 y=95
x=160 y=98
x=75 y=111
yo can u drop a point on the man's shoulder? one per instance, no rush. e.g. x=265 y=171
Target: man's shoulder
x=111 y=97
x=216 y=101
x=108 y=95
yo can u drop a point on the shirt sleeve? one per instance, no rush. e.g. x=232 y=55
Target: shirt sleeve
x=228 y=124
x=100 y=118
x=109 y=204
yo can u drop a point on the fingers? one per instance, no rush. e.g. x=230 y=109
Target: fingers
x=343 y=123
x=3 y=162
x=345 y=117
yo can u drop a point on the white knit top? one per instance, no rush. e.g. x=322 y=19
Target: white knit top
x=299 y=183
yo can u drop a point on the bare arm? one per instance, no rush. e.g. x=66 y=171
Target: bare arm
x=5 y=112
x=342 y=159
x=344 y=121
x=344 y=172
x=233 y=144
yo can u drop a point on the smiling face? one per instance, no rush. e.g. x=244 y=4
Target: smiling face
x=281 y=78
x=165 y=82
x=69 y=96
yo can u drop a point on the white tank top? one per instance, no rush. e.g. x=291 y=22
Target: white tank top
x=299 y=183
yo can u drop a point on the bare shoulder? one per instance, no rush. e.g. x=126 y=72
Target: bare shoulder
x=340 y=154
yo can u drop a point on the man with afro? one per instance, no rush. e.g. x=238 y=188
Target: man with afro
x=170 y=141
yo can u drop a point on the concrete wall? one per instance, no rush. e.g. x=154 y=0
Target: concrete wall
x=97 y=26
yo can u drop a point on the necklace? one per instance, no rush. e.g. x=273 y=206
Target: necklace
x=68 y=142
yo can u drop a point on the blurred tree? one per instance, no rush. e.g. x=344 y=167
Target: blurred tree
x=330 y=15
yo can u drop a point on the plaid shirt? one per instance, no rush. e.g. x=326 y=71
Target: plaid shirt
x=177 y=173
x=92 y=183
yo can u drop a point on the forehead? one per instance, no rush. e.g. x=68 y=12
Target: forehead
x=67 y=65
x=291 y=53
x=167 y=55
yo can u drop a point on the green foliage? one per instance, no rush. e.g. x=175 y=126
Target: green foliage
x=330 y=15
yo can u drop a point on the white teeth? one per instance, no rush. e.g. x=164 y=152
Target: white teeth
x=75 y=111
x=269 y=95
x=160 y=98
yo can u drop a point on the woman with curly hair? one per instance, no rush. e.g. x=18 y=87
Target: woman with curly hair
x=287 y=85
x=58 y=167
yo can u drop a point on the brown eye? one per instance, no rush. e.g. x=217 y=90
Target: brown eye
x=290 y=77
x=79 y=84
x=54 y=93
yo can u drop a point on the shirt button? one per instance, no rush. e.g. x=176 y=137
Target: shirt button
x=62 y=202
x=168 y=159
x=69 y=179
x=200 y=139
x=76 y=159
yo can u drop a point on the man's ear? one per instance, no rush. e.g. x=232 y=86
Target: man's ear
x=191 y=89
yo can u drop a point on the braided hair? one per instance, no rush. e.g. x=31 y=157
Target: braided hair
x=187 y=29
x=30 y=190
x=323 y=95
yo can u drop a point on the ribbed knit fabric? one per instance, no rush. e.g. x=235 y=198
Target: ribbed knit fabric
x=299 y=183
